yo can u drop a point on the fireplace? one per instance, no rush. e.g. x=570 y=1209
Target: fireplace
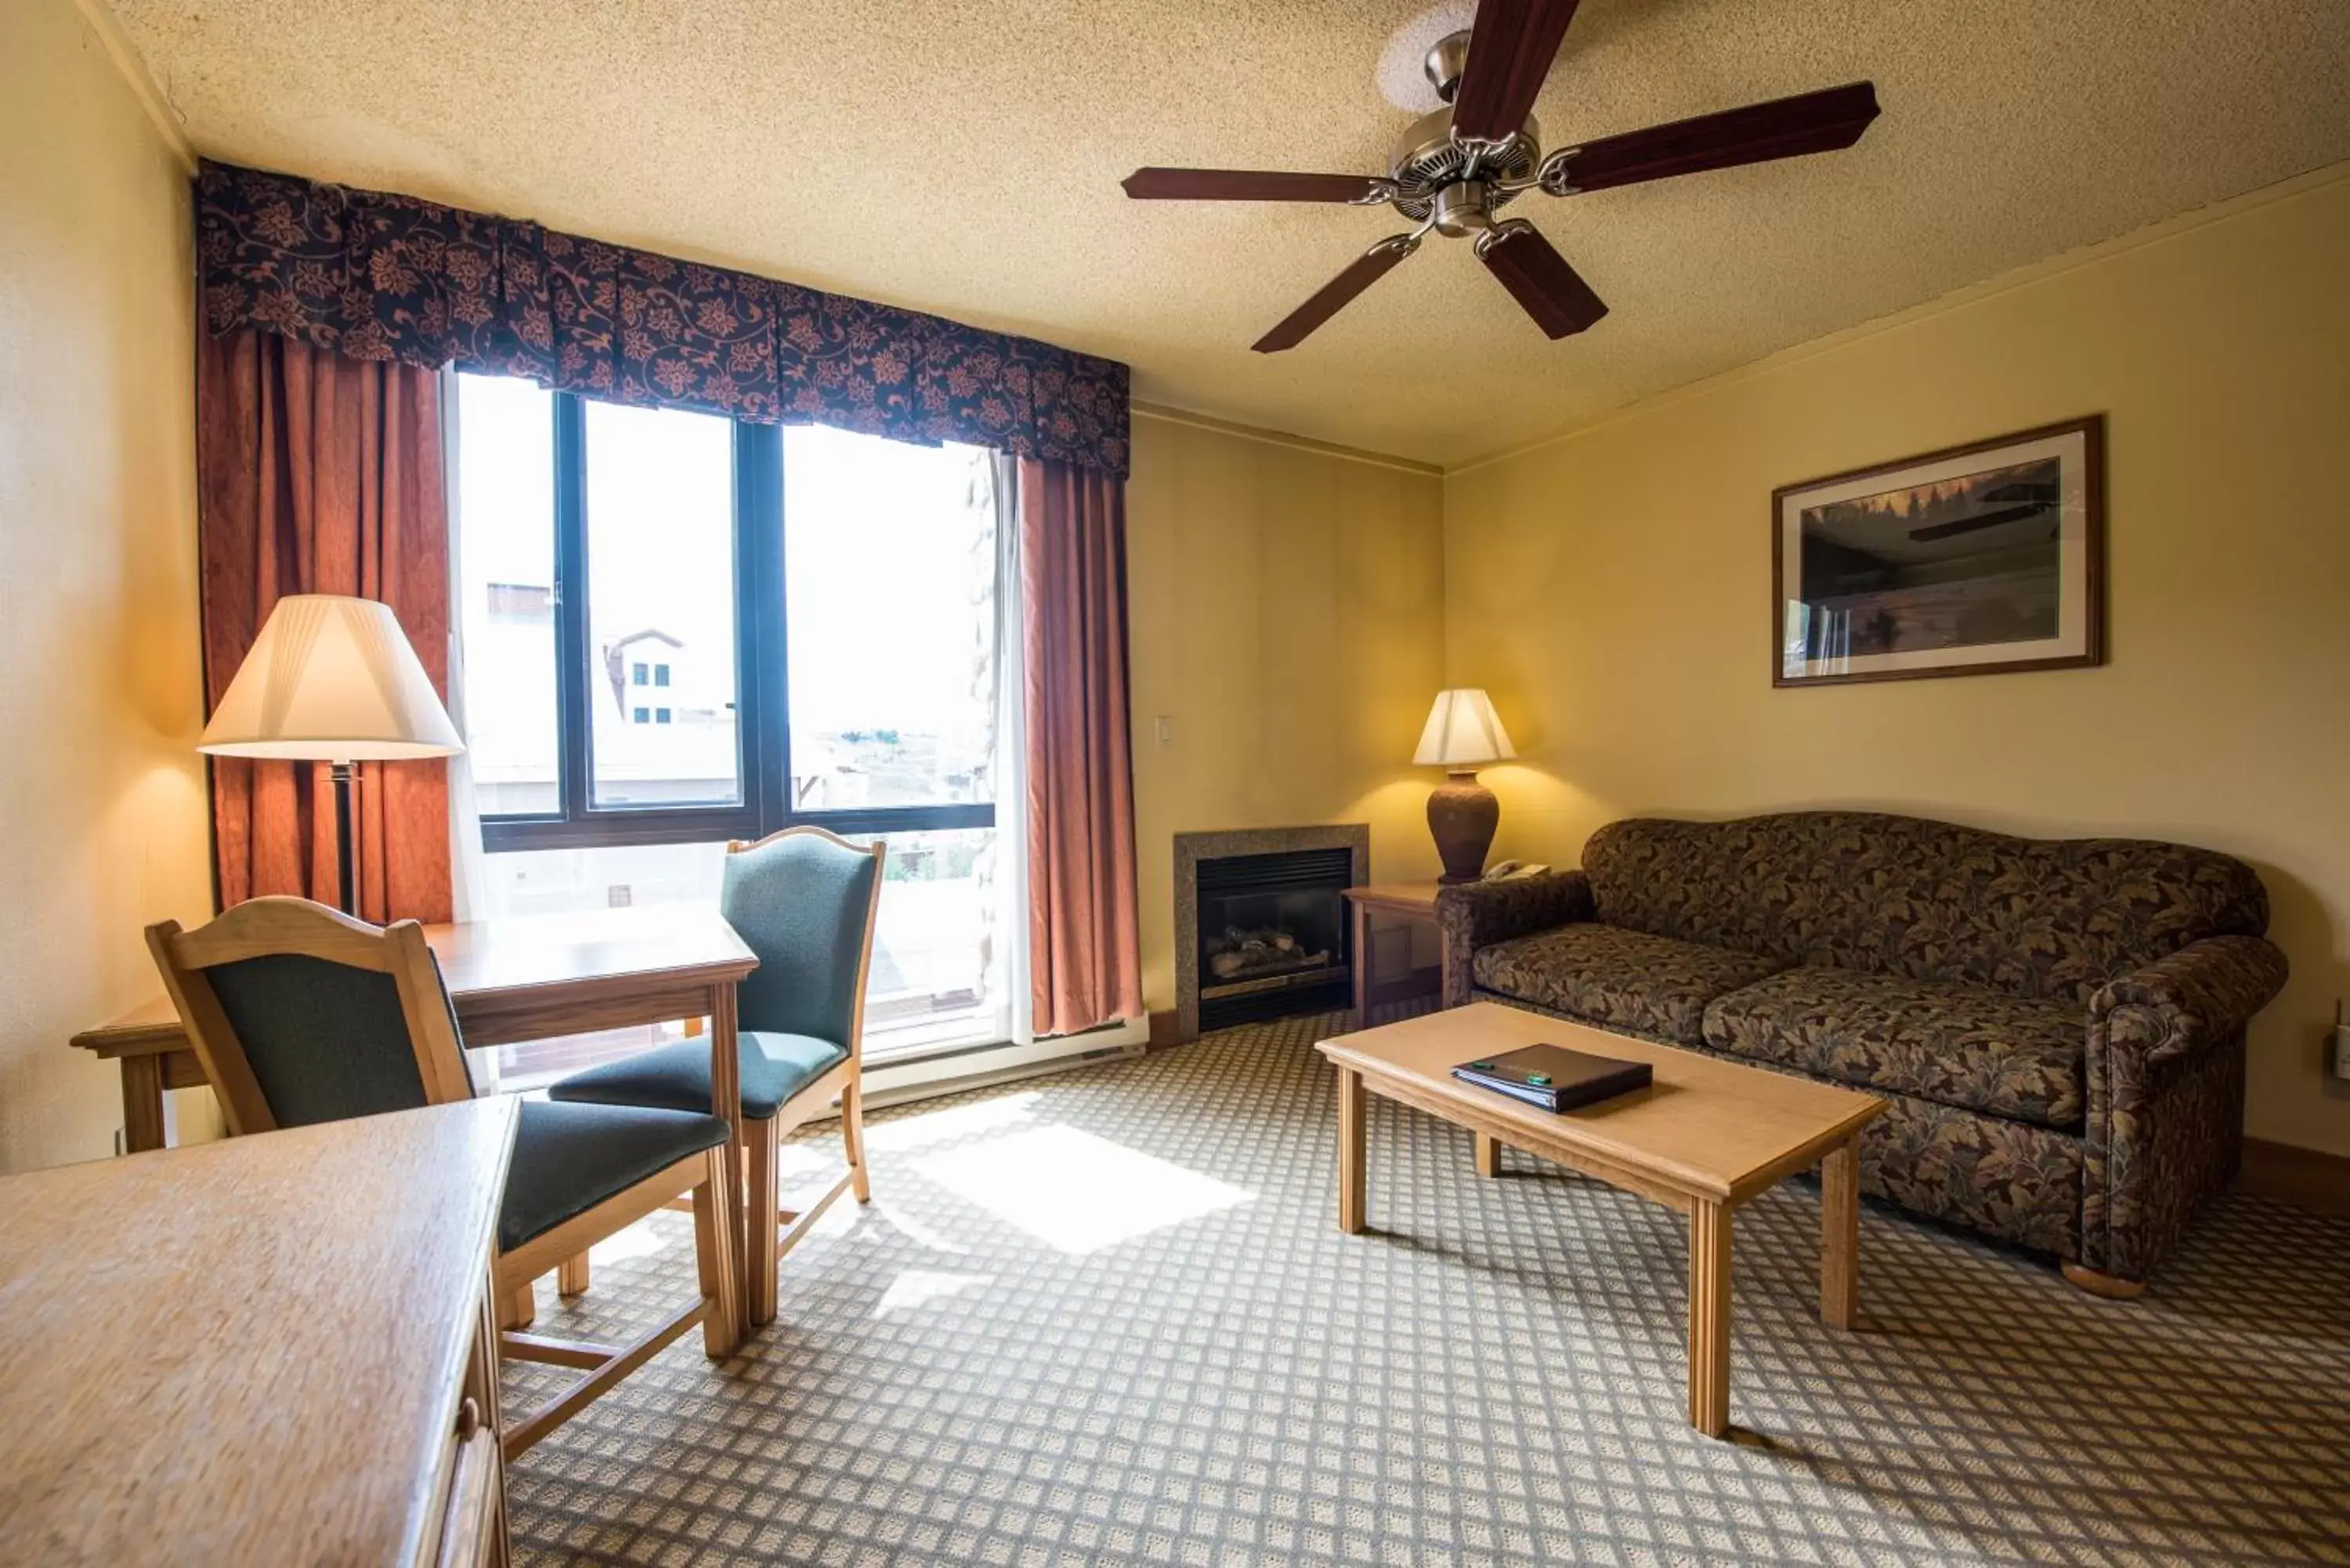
x=1261 y=928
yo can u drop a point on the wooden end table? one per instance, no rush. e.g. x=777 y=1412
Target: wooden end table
x=1707 y=1136
x=1410 y=901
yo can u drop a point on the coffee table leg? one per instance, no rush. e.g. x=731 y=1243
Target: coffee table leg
x=1489 y=1155
x=1709 y=1319
x=1840 y=1235
x=1351 y=1182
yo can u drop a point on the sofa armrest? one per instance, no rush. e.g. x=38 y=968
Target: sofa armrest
x=1473 y=915
x=2206 y=991
x=2165 y=1088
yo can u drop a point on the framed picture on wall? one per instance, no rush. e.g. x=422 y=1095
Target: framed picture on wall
x=1973 y=560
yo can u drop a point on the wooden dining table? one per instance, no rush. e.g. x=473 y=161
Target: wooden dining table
x=512 y=979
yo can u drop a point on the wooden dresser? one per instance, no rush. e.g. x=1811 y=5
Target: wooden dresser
x=273 y=1349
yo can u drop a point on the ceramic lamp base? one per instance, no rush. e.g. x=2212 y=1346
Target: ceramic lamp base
x=1461 y=816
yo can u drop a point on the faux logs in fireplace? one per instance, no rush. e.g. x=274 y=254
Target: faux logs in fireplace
x=1274 y=938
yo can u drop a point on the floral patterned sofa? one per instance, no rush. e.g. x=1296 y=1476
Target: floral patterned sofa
x=2057 y=1025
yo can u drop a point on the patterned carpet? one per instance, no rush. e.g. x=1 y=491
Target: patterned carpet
x=1108 y=1317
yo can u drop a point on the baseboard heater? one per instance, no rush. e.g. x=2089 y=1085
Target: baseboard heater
x=983 y=1066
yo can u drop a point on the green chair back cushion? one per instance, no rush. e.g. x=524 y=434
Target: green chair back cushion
x=326 y=1041
x=800 y=904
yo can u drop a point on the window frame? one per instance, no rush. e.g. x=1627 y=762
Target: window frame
x=762 y=670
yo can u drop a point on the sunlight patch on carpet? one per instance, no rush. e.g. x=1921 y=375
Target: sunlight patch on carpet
x=1073 y=1192
x=919 y=1287
x=900 y=1133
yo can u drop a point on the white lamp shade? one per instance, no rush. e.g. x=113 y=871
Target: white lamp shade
x=1464 y=731
x=330 y=679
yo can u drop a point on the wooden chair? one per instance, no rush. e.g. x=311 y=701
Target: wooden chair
x=804 y=900
x=301 y=1015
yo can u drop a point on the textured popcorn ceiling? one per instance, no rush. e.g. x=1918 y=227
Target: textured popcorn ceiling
x=965 y=158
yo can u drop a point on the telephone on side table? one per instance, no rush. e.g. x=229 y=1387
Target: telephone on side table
x=1507 y=870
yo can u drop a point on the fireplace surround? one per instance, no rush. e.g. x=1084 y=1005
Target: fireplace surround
x=1261 y=930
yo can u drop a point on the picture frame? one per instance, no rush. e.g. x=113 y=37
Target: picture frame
x=1979 y=559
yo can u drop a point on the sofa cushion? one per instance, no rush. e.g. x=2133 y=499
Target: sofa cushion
x=2016 y=1057
x=2054 y=918
x=1653 y=986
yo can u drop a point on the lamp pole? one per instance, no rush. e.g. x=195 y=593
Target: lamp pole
x=346 y=894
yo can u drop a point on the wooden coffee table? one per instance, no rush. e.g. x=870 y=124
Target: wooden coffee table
x=1707 y=1136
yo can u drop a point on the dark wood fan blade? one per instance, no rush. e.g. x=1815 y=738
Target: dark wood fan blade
x=1819 y=121
x=1552 y=292
x=1510 y=47
x=1335 y=296
x=1243 y=185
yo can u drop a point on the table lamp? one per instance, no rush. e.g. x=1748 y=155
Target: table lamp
x=1463 y=734
x=331 y=680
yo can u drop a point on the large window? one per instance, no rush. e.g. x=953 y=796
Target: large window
x=678 y=630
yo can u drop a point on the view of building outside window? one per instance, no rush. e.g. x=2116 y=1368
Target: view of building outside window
x=890 y=615
x=659 y=504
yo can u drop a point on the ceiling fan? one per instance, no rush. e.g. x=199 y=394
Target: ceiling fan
x=1454 y=169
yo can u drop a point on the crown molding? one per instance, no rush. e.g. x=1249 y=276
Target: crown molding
x=98 y=17
x=1166 y=414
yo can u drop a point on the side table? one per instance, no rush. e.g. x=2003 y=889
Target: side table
x=1411 y=901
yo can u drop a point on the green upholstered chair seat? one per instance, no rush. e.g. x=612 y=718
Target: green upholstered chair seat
x=567 y=1158
x=775 y=1067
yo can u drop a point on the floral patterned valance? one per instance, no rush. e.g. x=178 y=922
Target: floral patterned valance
x=379 y=276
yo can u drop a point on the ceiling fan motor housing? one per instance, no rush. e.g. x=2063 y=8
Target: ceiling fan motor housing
x=1427 y=168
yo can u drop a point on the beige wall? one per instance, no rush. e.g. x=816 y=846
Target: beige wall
x=1613 y=587
x=1287 y=619
x=101 y=812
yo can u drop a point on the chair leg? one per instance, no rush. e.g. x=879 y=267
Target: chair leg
x=713 y=1247
x=852 y=1139
x=765 y=1155
x=519 y=1307
x=571 y=1276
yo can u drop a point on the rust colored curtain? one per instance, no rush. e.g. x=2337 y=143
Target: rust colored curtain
x=1085 y=953
x=318 y=474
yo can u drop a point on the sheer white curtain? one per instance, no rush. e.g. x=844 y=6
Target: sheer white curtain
x=1009 y=980
x=468 y=878
x=468 y=883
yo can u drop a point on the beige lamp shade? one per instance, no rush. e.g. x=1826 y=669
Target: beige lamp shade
x=330 y=679
x=1464 y=731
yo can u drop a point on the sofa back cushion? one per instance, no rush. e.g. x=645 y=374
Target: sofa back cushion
x=1931 y=900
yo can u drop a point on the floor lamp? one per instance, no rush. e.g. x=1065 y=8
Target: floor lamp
x=331 y=680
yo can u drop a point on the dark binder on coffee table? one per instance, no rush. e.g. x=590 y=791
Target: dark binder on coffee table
x=1553 y=1078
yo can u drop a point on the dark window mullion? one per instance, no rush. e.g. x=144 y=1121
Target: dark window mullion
x=574 y=688
x=846 y=820
x=759 y=599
